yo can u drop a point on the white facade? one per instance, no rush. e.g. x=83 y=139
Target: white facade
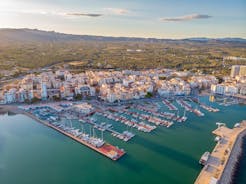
x=243 y=90
x=10 y=96
x=218 y=89
x=43 y=91
x=231 y=90
x=235 y=70
x=111 y=97
x=238 y=70
x=83 y=108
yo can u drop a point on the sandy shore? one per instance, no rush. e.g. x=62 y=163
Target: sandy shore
x=10 y=109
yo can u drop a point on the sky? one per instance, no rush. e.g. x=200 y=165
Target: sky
x=133 y=18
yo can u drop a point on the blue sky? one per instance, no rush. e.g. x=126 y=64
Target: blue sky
x=137 y=18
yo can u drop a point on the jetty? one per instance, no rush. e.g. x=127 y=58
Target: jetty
x=220 y=164
x=106 y=149
x=189 y=108
x=169 y=105
x=127 y=121
x=205 y=106
x=125 y=136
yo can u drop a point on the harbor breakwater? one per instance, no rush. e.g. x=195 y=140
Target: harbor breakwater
x=228 y=174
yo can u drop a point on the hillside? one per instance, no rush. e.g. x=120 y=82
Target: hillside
x=25 y=49
x=34 y=35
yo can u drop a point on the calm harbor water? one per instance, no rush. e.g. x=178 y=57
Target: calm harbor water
x=32 y=153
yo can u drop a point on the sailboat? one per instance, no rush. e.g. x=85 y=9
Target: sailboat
x=184 y=118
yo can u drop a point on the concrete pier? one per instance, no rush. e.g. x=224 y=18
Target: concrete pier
x=219 y=168
x=227 y=175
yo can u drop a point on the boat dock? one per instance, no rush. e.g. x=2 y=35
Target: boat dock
x=106 y=149
x=219 y=166
x=189 y=108
x=169 y=105
x=131 y=123
x=156 y=114
x=185 y=105
x=204 y=106
x=208 y=108
x=151 y=119
x=125 y=136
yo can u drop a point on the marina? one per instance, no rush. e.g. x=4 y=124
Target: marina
x=166 y=115
x=189 y=108
x=122 y=92
x=161 y=145
x=205 y=106
x=133 y=116
x=129 y=122
x=149 y=118
x=125 y=136
x=169 y=105
x=96 y=144
x=89 y=140
x=208 y=108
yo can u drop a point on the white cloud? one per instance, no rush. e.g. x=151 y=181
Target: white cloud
x=185 y=18
x=40 y=12
x=55 y=13
x=117 y=11
x=85 y=14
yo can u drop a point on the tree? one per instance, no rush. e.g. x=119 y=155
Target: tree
x=78 y=97
x=56 y=98
x=162 y=78
x=148 y=95
x=35 y=100
x=27 y=101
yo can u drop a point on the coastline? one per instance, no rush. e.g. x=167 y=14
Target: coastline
x=226 y=176
x=106 y=150
x=10 y=109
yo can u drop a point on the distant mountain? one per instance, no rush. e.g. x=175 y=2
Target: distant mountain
x=232 y=39
x=34 y=35
x=216 y=39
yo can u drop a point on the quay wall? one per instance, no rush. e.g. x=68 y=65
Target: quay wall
x=228 y=173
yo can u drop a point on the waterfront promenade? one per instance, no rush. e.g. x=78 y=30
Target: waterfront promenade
x=222 y=161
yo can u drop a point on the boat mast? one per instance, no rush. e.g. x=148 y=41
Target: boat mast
x=102 y=134
x=64 y=122
x=71 y=125
x=82 y=127
x=90 y=130
x=178 y=113
x=93 y=130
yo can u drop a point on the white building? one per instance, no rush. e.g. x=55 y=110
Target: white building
x=111 y=97
x=243 y=90
x=235 y=70
x=83 y=108
x=85 y=90
x=218 y=89
x=231 y=90
x=43 y=91
x=10 y=96
x=238 y=70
